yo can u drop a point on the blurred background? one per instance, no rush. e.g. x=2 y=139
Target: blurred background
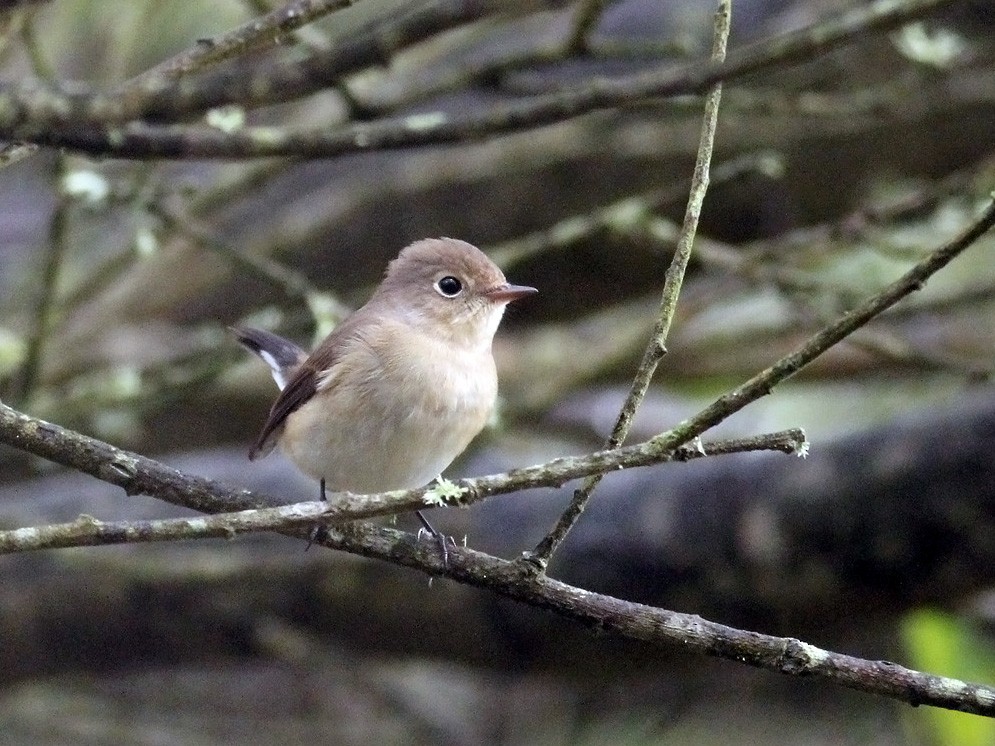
x=119 y=277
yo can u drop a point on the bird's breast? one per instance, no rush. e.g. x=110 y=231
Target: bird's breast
x=392 y=415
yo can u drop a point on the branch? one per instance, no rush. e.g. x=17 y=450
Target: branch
x=162 y=98
x=514 y=579
x=45 y=310
x=137 y=474
x=584 y=21
x=656 y=348
x=688 y=631
x=266 y=31
x=289 y=281
x=88 y=531
x=762 y=383
x=90 y=122
x=631 y=215
x=631 y=620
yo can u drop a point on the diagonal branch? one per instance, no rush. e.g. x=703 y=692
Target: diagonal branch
x=657 y=346
x=631 y=620
x=162 y=98
x=762 y=383
x=266 y=31
x=668 y=628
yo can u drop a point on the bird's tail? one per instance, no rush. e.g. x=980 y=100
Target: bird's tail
x=281 y=355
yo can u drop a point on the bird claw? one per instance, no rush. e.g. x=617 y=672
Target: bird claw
x=316 y=535
x=441 y=539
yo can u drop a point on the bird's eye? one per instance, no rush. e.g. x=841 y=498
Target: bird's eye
x=449 y=286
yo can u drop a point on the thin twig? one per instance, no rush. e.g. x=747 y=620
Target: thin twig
x=762 y=383
x=656 y=348
x=402 y=89
x=621 y=216
x=43 y=315
x=375 y=43
x=137 y=474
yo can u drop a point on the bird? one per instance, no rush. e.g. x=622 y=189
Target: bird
x=401 y=387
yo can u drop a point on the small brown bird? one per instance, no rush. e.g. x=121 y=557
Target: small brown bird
x=400 y=388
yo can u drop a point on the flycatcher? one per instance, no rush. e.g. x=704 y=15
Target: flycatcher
x=400 y=388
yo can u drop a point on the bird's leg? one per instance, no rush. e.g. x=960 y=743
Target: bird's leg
x=319 y=531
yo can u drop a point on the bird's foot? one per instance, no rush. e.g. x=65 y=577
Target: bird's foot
x=441 y=539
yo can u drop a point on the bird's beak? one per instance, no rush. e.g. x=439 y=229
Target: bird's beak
x=507 y=293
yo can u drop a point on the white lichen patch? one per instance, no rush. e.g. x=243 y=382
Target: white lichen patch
x=443 y=492
x=813 y=656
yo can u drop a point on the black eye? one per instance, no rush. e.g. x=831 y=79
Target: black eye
x=449 y=286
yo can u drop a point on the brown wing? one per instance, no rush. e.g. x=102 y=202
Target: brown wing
x=303 y=384
x=301 y=387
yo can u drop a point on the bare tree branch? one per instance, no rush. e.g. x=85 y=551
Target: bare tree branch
x=520 y=581
x=267 y=31
x=100 y=123
x=656 y=348
x=165 y=99
x=636 y=621
x=137 y=474
x=762 y=383
x=89 y=531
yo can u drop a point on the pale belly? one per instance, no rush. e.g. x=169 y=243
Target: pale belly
x=390 y=444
